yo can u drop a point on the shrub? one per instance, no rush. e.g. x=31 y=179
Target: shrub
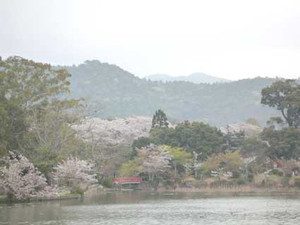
x=79 y=189
x=196 y=184
x=236 y=174
x=277 y=172
x=250 y=177
x=297 y=182
x=273 y=181
x=241 y=181
x=107 y=182
x=285 y=181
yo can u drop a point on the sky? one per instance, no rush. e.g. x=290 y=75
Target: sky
x=233 y=39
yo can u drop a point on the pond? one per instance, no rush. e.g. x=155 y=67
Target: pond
x=156 y=208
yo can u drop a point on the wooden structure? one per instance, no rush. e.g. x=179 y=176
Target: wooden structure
x=128 y=183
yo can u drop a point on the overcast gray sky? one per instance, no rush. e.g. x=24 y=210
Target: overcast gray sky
x=230 y=39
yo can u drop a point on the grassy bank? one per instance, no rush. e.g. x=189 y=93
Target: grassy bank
x=5 y=199
x=236 y=191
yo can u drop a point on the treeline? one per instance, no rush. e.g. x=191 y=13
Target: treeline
x=43 y=152
x=269 y=158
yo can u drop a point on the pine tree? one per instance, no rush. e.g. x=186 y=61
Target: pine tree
x=160 y=119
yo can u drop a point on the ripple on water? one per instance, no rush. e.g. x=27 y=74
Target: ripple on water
x=212 y=211
x=201 y=211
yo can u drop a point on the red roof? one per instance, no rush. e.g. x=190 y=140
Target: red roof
x=128 y=180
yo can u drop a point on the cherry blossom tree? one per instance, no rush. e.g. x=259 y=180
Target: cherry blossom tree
x=156 y=163
x=113 y=132
x=19 y=179
x=151 y=160
x=73 y=172
x=109 y=141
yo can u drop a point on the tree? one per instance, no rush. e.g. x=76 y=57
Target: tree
x=13 y=125
x=192 y=137
x=132 y=167
x=282 y=144
x=156 y=160
x=285 y=97
x=179 y=157
x=212 y=163
x=35 y=110
x=108 y=141
x=21 y=180
x=160 y=119
x=162 y=136
x=139 y=143
x=74 y=172
x=233 y=139
x=289 y=167
x=151 y=161
x=223 y=162
x=198 y=137
x=51 y=136
x=232 y=160
x=254 y=146
x=114 y=132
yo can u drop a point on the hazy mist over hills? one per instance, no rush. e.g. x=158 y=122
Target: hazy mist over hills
x=196 y=78
x=111 y=91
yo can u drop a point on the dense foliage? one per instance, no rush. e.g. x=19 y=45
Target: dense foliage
x=193 y=137
x=285 y=97
x=35 y=112
x=283 y=134
x=45 y=141
x=284 y=143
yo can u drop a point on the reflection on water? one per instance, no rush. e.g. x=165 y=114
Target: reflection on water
x=141 y=208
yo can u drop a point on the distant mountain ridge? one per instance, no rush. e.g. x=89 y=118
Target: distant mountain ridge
x=197 y=78
x=111 y=91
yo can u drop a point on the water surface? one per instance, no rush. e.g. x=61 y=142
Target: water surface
x=147 y=209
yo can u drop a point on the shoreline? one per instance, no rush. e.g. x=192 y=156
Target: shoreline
x=232 y=190
x=232 y=193
x=216 y=192
x=5 y=200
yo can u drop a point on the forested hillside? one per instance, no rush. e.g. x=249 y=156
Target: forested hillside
x=112 y=92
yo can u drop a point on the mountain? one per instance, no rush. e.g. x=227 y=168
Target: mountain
x=113 y=92
x=197 y=78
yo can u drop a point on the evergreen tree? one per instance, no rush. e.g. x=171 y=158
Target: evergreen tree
x=160 y=119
